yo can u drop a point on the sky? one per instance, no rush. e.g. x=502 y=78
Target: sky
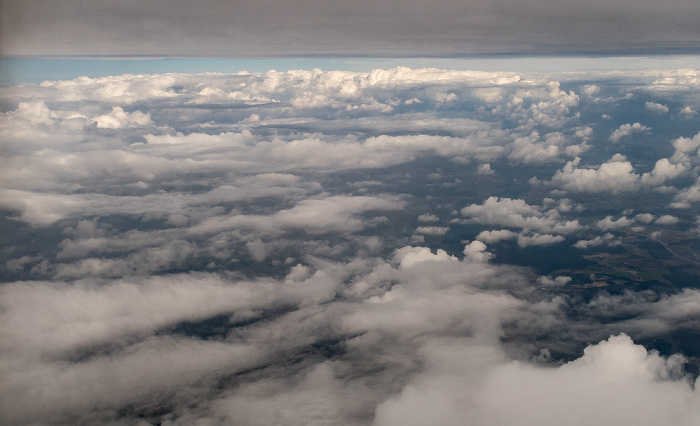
x=333 y=214
x=385 y=28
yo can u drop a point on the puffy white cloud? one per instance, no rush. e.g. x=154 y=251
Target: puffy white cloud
x=616 y=175
x=34 y=112
x=686 y=149
x=126 y=88
x=485 y=169
x=409 y=256
x=688 y=111
x=530 y=150
x=627 y=130
x=584 y=133
x=666 y=219
x=546 y=105
x=590 y=90
x=118 y=119
x=663 y=170
x=476 y=252
x=518 y=214
x=608 y=223
x=488 y=94
x=656 y=107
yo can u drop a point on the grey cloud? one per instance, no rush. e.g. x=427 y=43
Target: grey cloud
x=403 y=28
x=338 y=213
x=64 y=392
x=92 y=337
x=135 y=306
x=166 y=255
x=649 y=314
x=428 y=218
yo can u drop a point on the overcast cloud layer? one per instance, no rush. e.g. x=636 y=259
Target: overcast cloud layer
x=362 y=27
x=403 y=246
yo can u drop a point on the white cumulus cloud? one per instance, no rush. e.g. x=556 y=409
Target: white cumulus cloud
x=627 y=130
x=616 y=175
x=656 y=107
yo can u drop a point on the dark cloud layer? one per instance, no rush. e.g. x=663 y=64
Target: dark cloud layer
x=364 y=27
